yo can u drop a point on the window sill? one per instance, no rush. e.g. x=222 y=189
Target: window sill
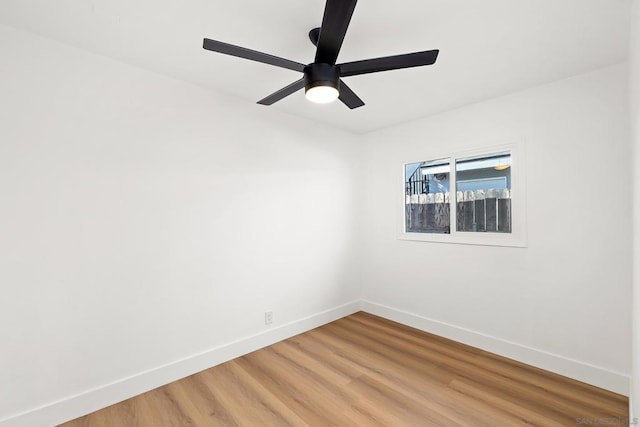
x=461 y=238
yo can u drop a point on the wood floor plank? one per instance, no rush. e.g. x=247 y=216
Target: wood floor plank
x=410 y=411
x=558 y=385
x=535 y=415
x=413 y=380
x=366 y=371
x=240 y=399
x=524 y=379
x=205 y=401
x=268 y=401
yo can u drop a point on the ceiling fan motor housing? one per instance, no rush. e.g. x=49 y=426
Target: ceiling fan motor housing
x=319 y=74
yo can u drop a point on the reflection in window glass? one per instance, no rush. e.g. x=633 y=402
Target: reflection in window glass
x=427 y=197
x=483 y=195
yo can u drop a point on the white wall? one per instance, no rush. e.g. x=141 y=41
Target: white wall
x=634 y=60
x=144 y=220
x=561 y=303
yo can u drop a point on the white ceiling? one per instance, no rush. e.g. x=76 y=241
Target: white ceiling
x=487 y=48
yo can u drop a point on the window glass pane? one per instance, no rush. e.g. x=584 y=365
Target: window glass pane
x=483 y=198
x=427 y=197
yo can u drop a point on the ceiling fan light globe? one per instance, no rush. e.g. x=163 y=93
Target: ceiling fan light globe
x=322 y=94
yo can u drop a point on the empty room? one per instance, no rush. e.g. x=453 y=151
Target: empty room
x=319 y=212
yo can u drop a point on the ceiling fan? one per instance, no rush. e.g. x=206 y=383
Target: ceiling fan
x=322 y=79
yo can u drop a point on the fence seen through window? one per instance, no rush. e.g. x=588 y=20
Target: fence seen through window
x=482 y=195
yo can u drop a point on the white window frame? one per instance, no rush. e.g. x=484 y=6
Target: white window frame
x=517 y=237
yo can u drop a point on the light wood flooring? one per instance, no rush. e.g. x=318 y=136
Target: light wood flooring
x=366 y=371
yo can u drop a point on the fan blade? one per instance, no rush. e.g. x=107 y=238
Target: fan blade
x=337 y=15
x=388 y=63
x=284 y=92
x=253 y=55
x=348 y=97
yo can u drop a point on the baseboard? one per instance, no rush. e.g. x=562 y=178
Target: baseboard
x=109 y=394
x=581 y=371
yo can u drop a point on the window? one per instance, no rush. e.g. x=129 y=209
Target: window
x=427 y=197
x=483 y=185
x=465 y=198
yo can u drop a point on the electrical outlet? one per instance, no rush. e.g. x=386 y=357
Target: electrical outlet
x=268 y=317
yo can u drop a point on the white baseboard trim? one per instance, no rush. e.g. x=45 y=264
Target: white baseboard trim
x=100 y=397
x=581 y=371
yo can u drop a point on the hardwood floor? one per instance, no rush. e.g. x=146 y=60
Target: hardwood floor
x=366 y=371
